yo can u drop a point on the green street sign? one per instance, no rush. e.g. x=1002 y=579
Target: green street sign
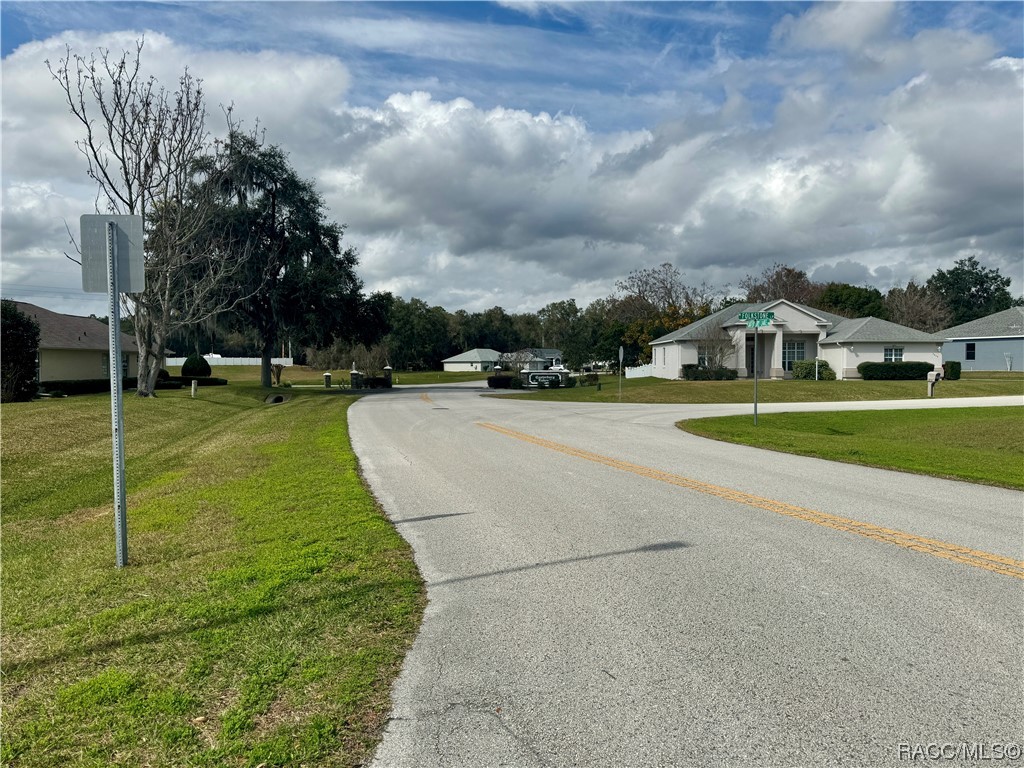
x=758 y=323
x=768 y=316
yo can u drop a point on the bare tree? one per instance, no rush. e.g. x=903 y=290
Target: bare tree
x=918 y=306
x=148 y=151
x=663 y=289
x=714 y=346
x=782 y=282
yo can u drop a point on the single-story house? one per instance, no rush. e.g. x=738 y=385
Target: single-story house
x=797 y=332
x=535 y=358
x=73 y=347
x=473 y=360
x=992 y=343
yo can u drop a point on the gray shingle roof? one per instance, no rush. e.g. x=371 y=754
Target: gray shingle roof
x=1009 y=322
x=475 y=356
x=865 y=329
x=57 y=331
x=731 y=316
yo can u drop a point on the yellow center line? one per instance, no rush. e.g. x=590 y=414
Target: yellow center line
x=426 y=398
x=973 y=557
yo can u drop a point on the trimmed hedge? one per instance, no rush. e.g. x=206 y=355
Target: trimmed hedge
x=694 y=372
x=588 y=379
x=804 y=369
x=499 y=382
x=85 y=386
x=377 y=382
x=951 y=370
x=905 y=371
x=195 y=366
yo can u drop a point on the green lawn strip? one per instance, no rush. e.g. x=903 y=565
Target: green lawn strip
x=266 y=608
x=980 y=445
x=306 y=376
x=652 y=390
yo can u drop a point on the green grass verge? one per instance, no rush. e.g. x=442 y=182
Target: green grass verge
x=265 y=610
x=303 y=375
x=651 y=390
x=980 y=445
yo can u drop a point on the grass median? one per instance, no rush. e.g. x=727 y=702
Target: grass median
x=653 y=390
x=979 y=445
x=266 y=607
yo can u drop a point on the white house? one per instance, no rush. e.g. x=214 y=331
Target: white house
x=473 y=360
x=73 y=347
x=797 y=332
x=992 y=343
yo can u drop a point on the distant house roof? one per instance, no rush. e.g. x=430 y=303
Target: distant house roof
x=57 y=331
x=1008 y=323
x=475 y=356
x=731 y=316
x=837 y=328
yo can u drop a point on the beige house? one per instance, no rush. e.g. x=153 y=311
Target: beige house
x=73 y=347
x=796 y=333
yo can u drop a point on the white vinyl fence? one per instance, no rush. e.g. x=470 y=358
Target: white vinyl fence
x=178 y=361
x=640 y=371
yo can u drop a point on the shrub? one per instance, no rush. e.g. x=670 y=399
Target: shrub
x=516 y=383
x=588 y=380
x=163 y=375
x=377 y=382
x=195 y=366
x=499 y=382
x=570 y=382
x=951 y=370
x=694 y=372
x=84 y=386
x=20 y=344
x=905 y=371
x=804 y=369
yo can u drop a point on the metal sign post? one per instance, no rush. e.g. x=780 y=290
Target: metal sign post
x=620 y=373
x=756 y=320
x=116 y=410
x=114 y=242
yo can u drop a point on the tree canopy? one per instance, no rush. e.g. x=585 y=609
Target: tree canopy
x=971 y=290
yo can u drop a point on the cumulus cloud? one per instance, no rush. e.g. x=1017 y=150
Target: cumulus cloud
x=896 y=156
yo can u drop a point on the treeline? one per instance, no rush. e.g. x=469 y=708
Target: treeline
x=647 y=304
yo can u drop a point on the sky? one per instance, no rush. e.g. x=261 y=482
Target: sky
x=515 y=154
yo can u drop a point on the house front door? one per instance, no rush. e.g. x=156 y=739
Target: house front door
x=750 y=359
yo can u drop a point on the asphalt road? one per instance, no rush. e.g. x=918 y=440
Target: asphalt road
x=607 y=590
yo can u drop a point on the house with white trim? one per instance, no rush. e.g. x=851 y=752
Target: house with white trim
x=797 y=332
x=992 y=343
x=473 y=360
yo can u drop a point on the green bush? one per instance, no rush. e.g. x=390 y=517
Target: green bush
x=163 y=375
x=516 y=383
x=804 y=369
x=905 y=371
x=951 y=370
x=20 y=344
x=499 y=382
x=694 y=372
x=84 y=386
x=570 y=382
x=195 y=366
x=588 y=379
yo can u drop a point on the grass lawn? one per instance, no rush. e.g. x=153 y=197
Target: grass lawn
x=652 y=390
x=300 y=374
x=266 y=607
x=980 y=445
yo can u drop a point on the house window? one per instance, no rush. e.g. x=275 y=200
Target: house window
x=664 y=354
x=970 y=350
x=106 y=364
x=894 y=354
x=791 y=352
x=124 y=365
x=703 y=353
